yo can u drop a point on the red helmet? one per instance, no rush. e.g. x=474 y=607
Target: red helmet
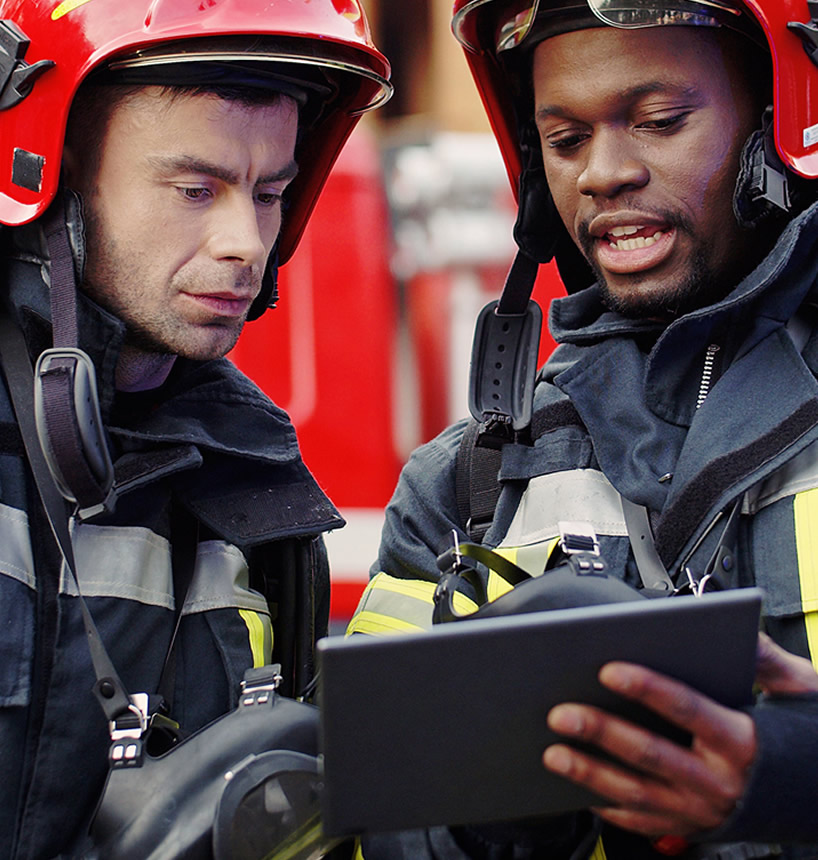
x=47 y=49
x=491 y=30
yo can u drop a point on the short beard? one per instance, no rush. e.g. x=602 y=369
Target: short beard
x=698 y=287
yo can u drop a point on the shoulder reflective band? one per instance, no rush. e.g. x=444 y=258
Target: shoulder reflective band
x=392 y=605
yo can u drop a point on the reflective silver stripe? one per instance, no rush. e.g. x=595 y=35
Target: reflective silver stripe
x=221 y=581
x=580 y=495
x=799 y=474
x=130 y=562
x=134 y=563
x=16 y=559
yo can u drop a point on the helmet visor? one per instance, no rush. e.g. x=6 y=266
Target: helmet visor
x=522 y=17
x=632 y=14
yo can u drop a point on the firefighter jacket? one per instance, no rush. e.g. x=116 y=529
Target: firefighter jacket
x=207 y=442
x=719 y=408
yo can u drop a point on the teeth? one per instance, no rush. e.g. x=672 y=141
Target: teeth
x=625 y=231
x=638 y=242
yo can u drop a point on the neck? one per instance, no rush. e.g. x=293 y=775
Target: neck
x=140 y=371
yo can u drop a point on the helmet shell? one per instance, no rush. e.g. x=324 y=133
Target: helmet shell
x=476 y=23
x=79 y=36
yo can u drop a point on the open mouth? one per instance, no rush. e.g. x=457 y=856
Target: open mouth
x=631 y=248
x=632 y=237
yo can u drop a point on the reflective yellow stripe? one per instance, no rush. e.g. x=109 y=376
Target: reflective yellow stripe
x=359 y=851
x=531 y=559
x=599 y=851
x=376 y=624
x=260 y=632
x=496 y=585
x=392 y=605
x=805 y=511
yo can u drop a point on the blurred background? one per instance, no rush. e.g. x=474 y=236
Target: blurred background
x=369 y=347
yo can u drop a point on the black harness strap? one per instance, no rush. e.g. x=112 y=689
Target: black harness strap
x=477 y=485
x=109 y=690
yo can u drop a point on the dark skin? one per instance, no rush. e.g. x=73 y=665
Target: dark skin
x=641 y=134
x=668 y=788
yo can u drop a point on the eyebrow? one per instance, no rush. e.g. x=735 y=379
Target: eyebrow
x=191 y=164
x=629 y=95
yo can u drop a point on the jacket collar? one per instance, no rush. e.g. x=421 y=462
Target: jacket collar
x=763 y=301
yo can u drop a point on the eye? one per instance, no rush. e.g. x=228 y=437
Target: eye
x=566 y=142
x=268 y=198
x=194 y=193
x=666 y=123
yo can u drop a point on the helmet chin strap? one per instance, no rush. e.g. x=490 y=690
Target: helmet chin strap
x=66 y=402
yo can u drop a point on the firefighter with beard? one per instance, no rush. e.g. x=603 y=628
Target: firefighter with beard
x=664 y=153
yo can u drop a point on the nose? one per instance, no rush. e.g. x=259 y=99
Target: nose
x=237 y=233
x=612 y=165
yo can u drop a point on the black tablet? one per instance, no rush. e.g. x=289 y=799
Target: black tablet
x=449 y=726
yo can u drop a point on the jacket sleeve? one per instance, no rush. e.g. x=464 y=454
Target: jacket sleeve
x=423 y=511
x=782 y=794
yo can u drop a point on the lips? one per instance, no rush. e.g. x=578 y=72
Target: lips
x=222 y=304
x=627 y=245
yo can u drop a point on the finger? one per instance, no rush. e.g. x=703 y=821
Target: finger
x=781 y=673
x=707 y=775
x=648 y=804
x=712 y=724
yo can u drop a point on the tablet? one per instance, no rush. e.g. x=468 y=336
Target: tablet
x=448 y=726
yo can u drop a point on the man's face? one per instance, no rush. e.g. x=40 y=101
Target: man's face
x=641 y=134
x=182 y=213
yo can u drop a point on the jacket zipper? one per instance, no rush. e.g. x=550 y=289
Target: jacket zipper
x=707 y=374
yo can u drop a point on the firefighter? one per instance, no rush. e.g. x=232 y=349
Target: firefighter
x=665 y=153
x=159 y=162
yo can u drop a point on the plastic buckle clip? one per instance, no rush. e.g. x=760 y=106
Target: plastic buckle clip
x=579 y=543
x=127 y=732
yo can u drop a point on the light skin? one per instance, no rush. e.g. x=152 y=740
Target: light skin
x=641 y=133
x=182 y=212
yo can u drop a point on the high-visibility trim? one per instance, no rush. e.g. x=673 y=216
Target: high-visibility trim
x=134 y=563
x=599 y=851
x=532 y=559
x=805 y=512
x=16 y=558
x=393 y=605
x=796 y=476
x=496 y=586
x=576 y=495
x=222 y=581
x=376 y=624
x=359 y=851
x=260 y=631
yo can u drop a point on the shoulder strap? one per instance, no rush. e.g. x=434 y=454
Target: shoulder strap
x=477 y=486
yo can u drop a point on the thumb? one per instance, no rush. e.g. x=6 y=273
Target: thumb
x=778 y=672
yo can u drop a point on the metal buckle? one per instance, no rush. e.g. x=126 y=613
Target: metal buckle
x=127 y=734
x=579 y=542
